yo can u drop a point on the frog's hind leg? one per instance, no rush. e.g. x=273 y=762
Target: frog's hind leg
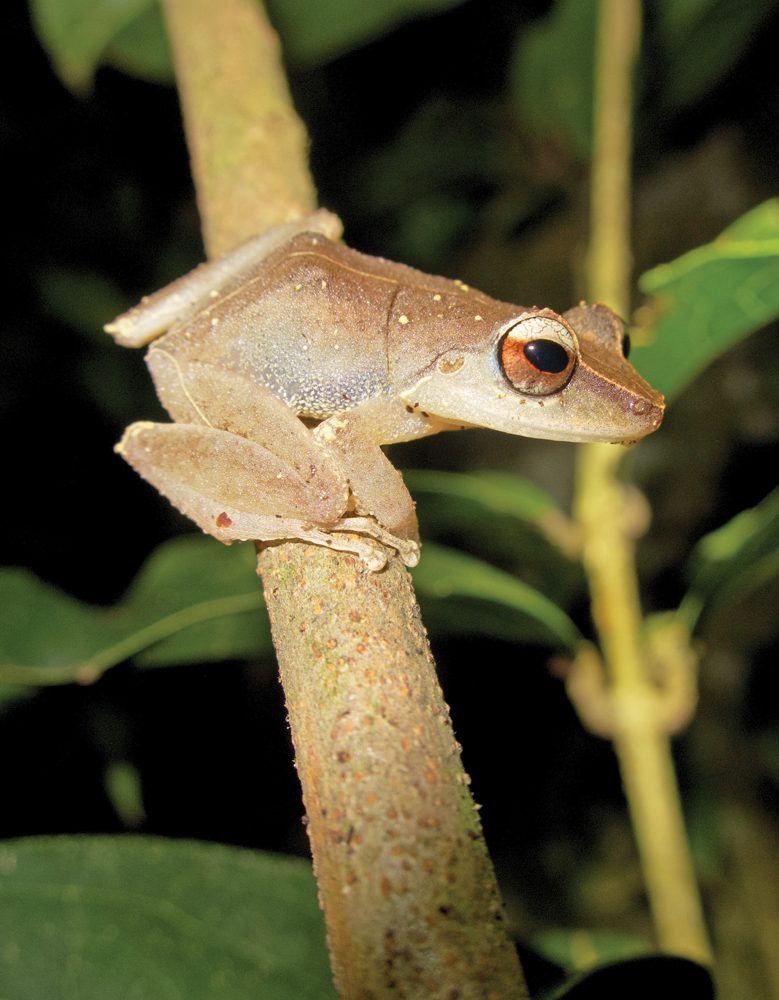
x=236 y=490
x=255 y=439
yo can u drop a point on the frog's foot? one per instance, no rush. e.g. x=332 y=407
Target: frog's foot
x=406 y=548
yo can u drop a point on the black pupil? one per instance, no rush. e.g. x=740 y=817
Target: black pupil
x=547 y=356
x=626 y=346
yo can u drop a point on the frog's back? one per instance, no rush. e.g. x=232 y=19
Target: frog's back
x=302 y=323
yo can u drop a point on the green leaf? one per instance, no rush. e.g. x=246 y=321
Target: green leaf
x=193 y=600
x=583 y=949
x=704 y=39
x=554 y=71
x=141 y=48
x=502 y=493
x=122 y=784
x=94 y=918
x=710 y=298
x=734 y=561
x=75 y=33
x=315 y=31
x=492 y=602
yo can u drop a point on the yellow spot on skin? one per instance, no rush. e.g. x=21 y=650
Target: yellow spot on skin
x=436 y=298
x=298 y=287
x=324 y=284
x=403 y=320
x=478 y=319
x=215 y=321
x=214 y=294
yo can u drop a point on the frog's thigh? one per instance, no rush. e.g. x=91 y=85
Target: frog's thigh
x=231 y=487
x=220 y=397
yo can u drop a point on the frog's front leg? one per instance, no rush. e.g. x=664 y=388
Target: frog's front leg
x=353 y=438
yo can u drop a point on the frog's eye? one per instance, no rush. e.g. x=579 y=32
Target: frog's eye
x=538 y=355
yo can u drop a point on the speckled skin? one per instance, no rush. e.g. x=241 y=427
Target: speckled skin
x=300 y=326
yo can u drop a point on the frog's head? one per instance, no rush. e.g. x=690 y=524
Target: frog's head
x=543 y=375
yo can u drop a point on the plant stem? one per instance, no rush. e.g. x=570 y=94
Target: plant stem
x=409 y=893
x=247 y=145
x=405 y=881
x=640 y=737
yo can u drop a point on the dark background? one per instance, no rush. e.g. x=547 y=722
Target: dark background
x=417 y=144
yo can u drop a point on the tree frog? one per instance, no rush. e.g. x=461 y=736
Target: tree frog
x=288 y=362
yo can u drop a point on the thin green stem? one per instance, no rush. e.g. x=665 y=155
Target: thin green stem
x=638 y=726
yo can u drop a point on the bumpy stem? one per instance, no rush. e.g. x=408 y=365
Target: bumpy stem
x=639 y=729
x=407 y=887
x=408 y=890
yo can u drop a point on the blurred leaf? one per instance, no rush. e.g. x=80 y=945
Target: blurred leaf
x=102 y=917
x=640 y=979
x=141 y=48
x=734 y=561
x=583 y=949
x=83 y=300
x=444 y=575
x=427 y=197
x=315 y=31
x=194 y=599
x=503 y=493
x=116 y=380
x=768 y=753
x=122 y=784
x=554 y=70
x=704 y=40
x=75 y=32
x=709 y=298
